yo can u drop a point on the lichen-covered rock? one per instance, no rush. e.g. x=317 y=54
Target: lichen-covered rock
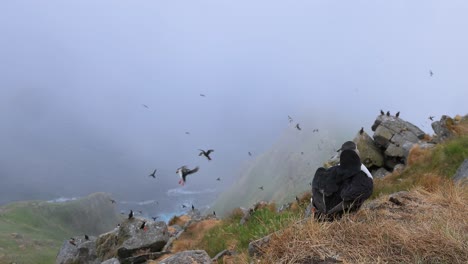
x=380 y=173
x=442 y=128
x=191 y=256
x=370 y=154
x=83 y=252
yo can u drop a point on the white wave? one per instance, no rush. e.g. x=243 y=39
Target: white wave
x=62 y=200
x=180 y=192
x=139 y=203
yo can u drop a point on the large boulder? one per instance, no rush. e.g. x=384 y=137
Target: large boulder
x=191 y=256
x=127 y=240
x=370 y=154
x=443 y=128
x=82 y=252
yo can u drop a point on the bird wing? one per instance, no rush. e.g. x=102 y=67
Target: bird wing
x=209 y=151
x=192 y=171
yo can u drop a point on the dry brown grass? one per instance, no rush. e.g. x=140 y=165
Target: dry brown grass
x=193 y=235
x=431 y=227
x=418 y=155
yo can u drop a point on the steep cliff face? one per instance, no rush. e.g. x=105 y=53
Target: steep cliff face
x=284 y=170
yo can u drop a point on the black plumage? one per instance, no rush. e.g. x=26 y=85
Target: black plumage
x=184 y=172
x=397 y=114
x=143 y=225
x=130 y=215
x=205 y=153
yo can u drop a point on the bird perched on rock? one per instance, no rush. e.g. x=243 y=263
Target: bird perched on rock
x=130 y=215
x=143 y=225
x=153 y=174
x=184 y=172
x=205 y=153
x=361 y=131
x=388 y=113
x=382 y=112
x=86 y=237
x=298 y=127
x=397 y=114
x=72 y=241
x=297 y=200
x=214 y=213
x=193 y=207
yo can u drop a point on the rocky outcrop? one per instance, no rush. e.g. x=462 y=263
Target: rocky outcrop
x=370 y=154
x=255 y=247
x=111 y=261
x=78 y=251
x=128 y=243
x=380 y=173
x=191 y=256
x=462 y=172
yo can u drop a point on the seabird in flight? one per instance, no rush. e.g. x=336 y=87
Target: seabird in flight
x=431 y=118
x=298 y=127
x=219 y=179
x=290 y=119
x=431 y=73
x=155 y=217
x=261 y=188
x=184 y=172
x=205 y=153
x=145 y=106
x=184 y=206
x=153 y=174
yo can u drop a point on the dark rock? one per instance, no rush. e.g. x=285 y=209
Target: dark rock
x=191 y=256
x=255 y=247
x=380 y=173
x=84 y=252
x=462 y=172
x=143 y=258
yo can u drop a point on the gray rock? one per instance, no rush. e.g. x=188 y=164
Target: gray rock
x=380 y=173
x=284 y=207
x=153 y=238
x=111 y=261
x=394 y=151
x=143 y=258
x=382 y=136
x=399 y=168
x=84 y=252
x=191 y=256
x=370 y=154
x=221 y=254
x=462 y=172
x=441 y=128
x=255 y=247
x=308 y=210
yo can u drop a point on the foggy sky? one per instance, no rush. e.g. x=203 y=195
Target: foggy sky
x=74 y=76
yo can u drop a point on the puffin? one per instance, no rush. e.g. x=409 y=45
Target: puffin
x=184 y=172
x=86 y=237
x=205 y=153
x=130 y=215
x=397 y=114
x=382 y=112
x=388 y=113
x=143 y=225
x=361 y=131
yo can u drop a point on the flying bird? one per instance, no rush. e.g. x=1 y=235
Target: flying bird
x=290 y=119
x=184 y=172
x=202 y=95
x=205 y=153
x=431 y=118
x=184 y=206
x=153 y=174
x=431 y=73
x=112 y=201
x=397 y=114
x=187 y=133
x=155 y=217
x=382 y=112
x=130 y=215
x=302 y=153
x=298 y=127
x=315 y=130
x=361 y=131
x=145 y=106
x=250 y=154
x=219 y=179
x=261 y=188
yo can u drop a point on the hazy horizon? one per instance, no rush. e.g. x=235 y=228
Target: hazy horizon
x=75 y=77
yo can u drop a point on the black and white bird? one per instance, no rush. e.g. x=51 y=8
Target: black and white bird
x=361 y=131
x=205 y=153
x=72 y=241
x=184 y=172
x=193 y=207
x=298 y=127
x=153 y=174
x=130 y=215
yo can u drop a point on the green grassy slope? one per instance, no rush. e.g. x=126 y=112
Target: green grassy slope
x=33 y=231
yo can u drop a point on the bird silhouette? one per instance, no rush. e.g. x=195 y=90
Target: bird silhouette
x=388 y=113
x=261 y=188
x=187 y=133
x=397 y=114
x=431 y=73
x=143 y=225
x=290 y=119
x=250 y=154
x=382 y=112
x=72 y=241
x=155 y=217
x=302 y=153
x=86 y=237
x=193 y=207
x=205 y=153
x=361 y=131
x=298 y=127
x=214 y=213
x=184 y=206
x=145 y=106
x=130 y=215
x=431 y=118
x=153 y=174
x=112 y=201
x=297 y=199
x=184 y=172
x=219 y=179
x=202 y=95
